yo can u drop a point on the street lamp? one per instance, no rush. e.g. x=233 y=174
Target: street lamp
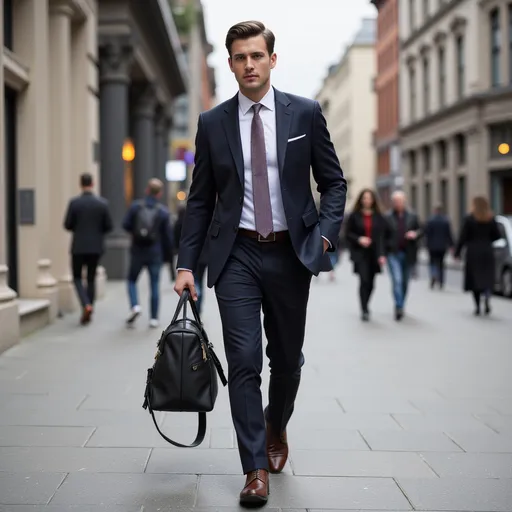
x=128 y=155
x=504 y=148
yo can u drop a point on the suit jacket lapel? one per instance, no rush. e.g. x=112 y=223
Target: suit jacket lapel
x=232 y=129
x=284 y=116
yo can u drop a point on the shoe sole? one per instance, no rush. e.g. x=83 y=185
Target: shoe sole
x=253 y=501
x=132 y=318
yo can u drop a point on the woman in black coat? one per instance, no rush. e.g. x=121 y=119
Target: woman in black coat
x=365 y=233
x=478 y=232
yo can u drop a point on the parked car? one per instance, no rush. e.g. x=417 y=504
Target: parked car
x=503 y=256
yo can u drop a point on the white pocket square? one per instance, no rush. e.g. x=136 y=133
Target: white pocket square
x=297 y=138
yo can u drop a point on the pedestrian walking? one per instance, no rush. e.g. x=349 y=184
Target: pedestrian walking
x=149 y=225
x=366 y=232
x=439 y=240
x=254 y=155
x=88 y=218
x=479 y=230
x=401 y=248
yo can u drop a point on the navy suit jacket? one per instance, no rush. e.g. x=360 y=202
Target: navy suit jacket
x=216 y=192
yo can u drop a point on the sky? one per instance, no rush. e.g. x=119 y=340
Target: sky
x=310 y=36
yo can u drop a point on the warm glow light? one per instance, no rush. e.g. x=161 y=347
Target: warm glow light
x=181 y=195
x=504 y=148
x=128 y=152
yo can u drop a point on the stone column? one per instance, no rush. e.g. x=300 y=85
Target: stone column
x=33 y=155
x=162 y=127
x=115 y=62
x=61 y=170
x=9 y=317
x=144 y=138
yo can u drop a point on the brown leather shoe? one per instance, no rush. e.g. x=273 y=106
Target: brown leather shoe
x=277 y=450
x=86 y=315
x=256 y=488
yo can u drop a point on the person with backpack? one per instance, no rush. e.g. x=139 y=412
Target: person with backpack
x=148 y=222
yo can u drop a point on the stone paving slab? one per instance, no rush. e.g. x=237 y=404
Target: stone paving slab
x=409 y=416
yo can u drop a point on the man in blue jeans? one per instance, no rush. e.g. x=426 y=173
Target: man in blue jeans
x=402 y=248
x=149 y=224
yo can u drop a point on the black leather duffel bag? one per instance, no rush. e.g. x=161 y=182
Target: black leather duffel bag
x=184 y=375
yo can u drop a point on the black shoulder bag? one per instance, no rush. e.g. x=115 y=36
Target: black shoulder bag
x=184 y=375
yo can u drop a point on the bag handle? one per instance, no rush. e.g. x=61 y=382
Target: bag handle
x=186 y=298
x=201 y=428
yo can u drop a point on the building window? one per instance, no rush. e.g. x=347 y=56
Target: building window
x=442 y=76
x=7 y=14
x=412 y=89
x=443 y=154
x=426 y=85
x=460 y=50
x=460 y=145
x=461 y=198
x=444 y=194
x=414 y=198
x=411 y=14
x=495 y=47
x=426 y=159
x=412 y=159
x=500 y=134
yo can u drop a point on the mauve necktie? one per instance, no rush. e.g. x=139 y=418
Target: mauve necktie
x=261 y=194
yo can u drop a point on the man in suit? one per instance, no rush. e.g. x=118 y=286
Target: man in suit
x=438 y=232
x=89 y=220
x=402 y=248
x=252 y=175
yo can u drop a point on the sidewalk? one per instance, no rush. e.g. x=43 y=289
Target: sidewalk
x=396 y=417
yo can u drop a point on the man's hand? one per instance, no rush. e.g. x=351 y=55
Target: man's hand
x=411 y=235
x=185 y=279
x=326 y=244
x=364 y=241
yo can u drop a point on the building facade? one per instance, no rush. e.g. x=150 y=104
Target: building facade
x=201 y=92
x=456 y=103
x=81 y=78
x=386 y=140
x=348 y=101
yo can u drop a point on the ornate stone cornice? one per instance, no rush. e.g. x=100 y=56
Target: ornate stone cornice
x=146 y=100
x=439 y=38
x=458 y=25
x=74 y=9
x=410 y=60
x=424 y=50
x=116 y=57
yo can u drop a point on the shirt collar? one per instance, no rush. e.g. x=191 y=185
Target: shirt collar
x=268 y=101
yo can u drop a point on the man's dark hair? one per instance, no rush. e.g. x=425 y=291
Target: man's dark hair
x=86 y=180
x=247 y=29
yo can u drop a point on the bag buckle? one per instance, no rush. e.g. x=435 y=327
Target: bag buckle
x=267 y=239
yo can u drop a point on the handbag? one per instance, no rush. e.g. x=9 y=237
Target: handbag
x=183 y=377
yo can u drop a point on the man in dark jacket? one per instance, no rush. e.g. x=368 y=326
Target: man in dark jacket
x=402 y=248
x=149 y=224
x=439 y=239
x=89 y=220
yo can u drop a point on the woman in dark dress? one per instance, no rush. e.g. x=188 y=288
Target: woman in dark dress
x=478 y=232
x=365 y=233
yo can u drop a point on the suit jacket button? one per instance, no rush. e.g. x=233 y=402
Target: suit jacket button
x=241 y=200
x=235 y=229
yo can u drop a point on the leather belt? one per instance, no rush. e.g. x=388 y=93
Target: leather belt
x=277 y=236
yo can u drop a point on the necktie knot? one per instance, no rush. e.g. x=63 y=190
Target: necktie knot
x=256 y=108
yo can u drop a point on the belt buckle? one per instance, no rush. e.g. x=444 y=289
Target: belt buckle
x=261 y=239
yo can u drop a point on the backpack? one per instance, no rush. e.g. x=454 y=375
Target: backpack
x=146 y=225
x=183 y=377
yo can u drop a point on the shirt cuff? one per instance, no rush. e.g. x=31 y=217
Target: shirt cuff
x=187 y=269
x=330 y=245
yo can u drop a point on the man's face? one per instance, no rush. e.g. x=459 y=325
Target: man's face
x=399 y=203
x=251 y=63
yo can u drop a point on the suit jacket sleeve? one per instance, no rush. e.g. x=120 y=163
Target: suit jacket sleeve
x=69 y=220
x=330 y=180
x=200 y=204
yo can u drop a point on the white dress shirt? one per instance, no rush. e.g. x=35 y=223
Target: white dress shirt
x=268 y=118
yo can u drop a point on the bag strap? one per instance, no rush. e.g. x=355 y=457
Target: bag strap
x=201 y=428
